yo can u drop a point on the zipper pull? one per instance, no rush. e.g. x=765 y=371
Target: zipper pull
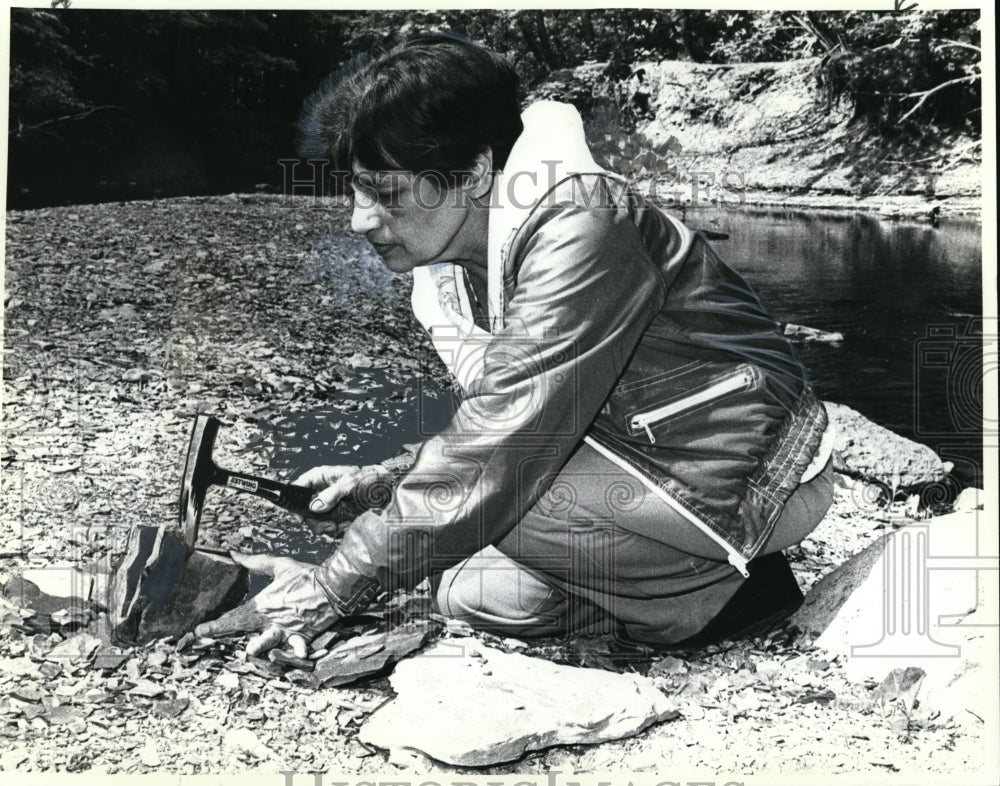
x=645 y=425
x=737 y=561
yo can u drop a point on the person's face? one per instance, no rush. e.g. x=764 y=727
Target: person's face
x=412 y=220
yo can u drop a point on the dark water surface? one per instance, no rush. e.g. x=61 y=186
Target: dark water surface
x=907 y=297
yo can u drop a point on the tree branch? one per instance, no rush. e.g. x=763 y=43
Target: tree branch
x=61 y=119
x=949 y=42
x=925 y=94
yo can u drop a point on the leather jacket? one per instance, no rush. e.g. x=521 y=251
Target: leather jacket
x=612 y=323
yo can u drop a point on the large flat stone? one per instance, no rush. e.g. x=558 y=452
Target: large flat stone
x=209 y=585
x=59 y=596
x=874 y=453
x=924 y=597
x=464 y=703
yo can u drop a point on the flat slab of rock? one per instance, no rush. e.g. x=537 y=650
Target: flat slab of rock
x=467 y=704
x=160 y=590
x=58 y=596
x=923 y=598
x=874 y=453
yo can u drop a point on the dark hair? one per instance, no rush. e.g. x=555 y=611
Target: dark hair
x=432 y=104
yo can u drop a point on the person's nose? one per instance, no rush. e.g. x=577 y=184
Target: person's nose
x=366 y=216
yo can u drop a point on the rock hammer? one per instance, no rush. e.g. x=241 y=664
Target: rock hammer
x=201 y=471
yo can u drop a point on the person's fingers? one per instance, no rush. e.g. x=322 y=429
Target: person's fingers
x=324 y=476
x=331 y=495
x=271 y=637
x=239 y=620
x=313 y=478
x=298 y=646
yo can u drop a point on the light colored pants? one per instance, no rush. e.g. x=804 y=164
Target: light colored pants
x=576 y=561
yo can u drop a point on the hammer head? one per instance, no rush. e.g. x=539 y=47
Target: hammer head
x=199 y=470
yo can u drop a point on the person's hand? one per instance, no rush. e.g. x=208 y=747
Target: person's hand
x=292 y=610
x=336 y=482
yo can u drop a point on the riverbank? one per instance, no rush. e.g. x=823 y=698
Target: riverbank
x=767 y=135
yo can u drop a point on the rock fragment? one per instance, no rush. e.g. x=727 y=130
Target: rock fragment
x=76 y=648
x=368 y=654
x=161 y=591
x=888 y=608
x=869 y=451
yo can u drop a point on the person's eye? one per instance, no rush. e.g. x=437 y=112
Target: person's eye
x=363 y=198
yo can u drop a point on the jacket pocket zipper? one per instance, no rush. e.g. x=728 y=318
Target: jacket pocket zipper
x=645 y=420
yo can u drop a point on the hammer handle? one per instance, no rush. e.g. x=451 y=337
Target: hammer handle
x=284 y=495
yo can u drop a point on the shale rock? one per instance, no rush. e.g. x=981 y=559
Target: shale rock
x=874 y=453
x=368 y=654
x=59 y=596
x=160 y=590
x=464 y=703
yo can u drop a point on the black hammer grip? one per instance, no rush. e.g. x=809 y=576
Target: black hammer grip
x=284 y=495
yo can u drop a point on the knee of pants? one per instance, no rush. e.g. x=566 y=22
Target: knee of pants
x=486 y=595
x=803 y=511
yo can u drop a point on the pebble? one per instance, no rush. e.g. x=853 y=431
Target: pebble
x=693 y=712
x=146 y=688
x=133 y=670
x=317 y=702
x=27 y=694
x=66 y=691
x=721 y=685
x=245 y=741
x=78 y=726
x=668 y=665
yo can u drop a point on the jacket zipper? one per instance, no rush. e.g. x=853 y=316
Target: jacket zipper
x=733 y=556
x=645 y=420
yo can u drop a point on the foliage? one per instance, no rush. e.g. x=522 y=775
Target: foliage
x=209 y=96
x=206 y=101
x=42 y=83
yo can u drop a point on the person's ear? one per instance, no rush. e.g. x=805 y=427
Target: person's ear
x=479 y=179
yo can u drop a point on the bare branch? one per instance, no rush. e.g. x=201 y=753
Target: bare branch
x=61 y=119
x=949 y=158
x=949 y=42
x=925 y=94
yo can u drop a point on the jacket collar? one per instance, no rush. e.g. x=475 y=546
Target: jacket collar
x=552 y=146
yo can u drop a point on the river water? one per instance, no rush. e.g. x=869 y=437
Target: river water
x=906 y=296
